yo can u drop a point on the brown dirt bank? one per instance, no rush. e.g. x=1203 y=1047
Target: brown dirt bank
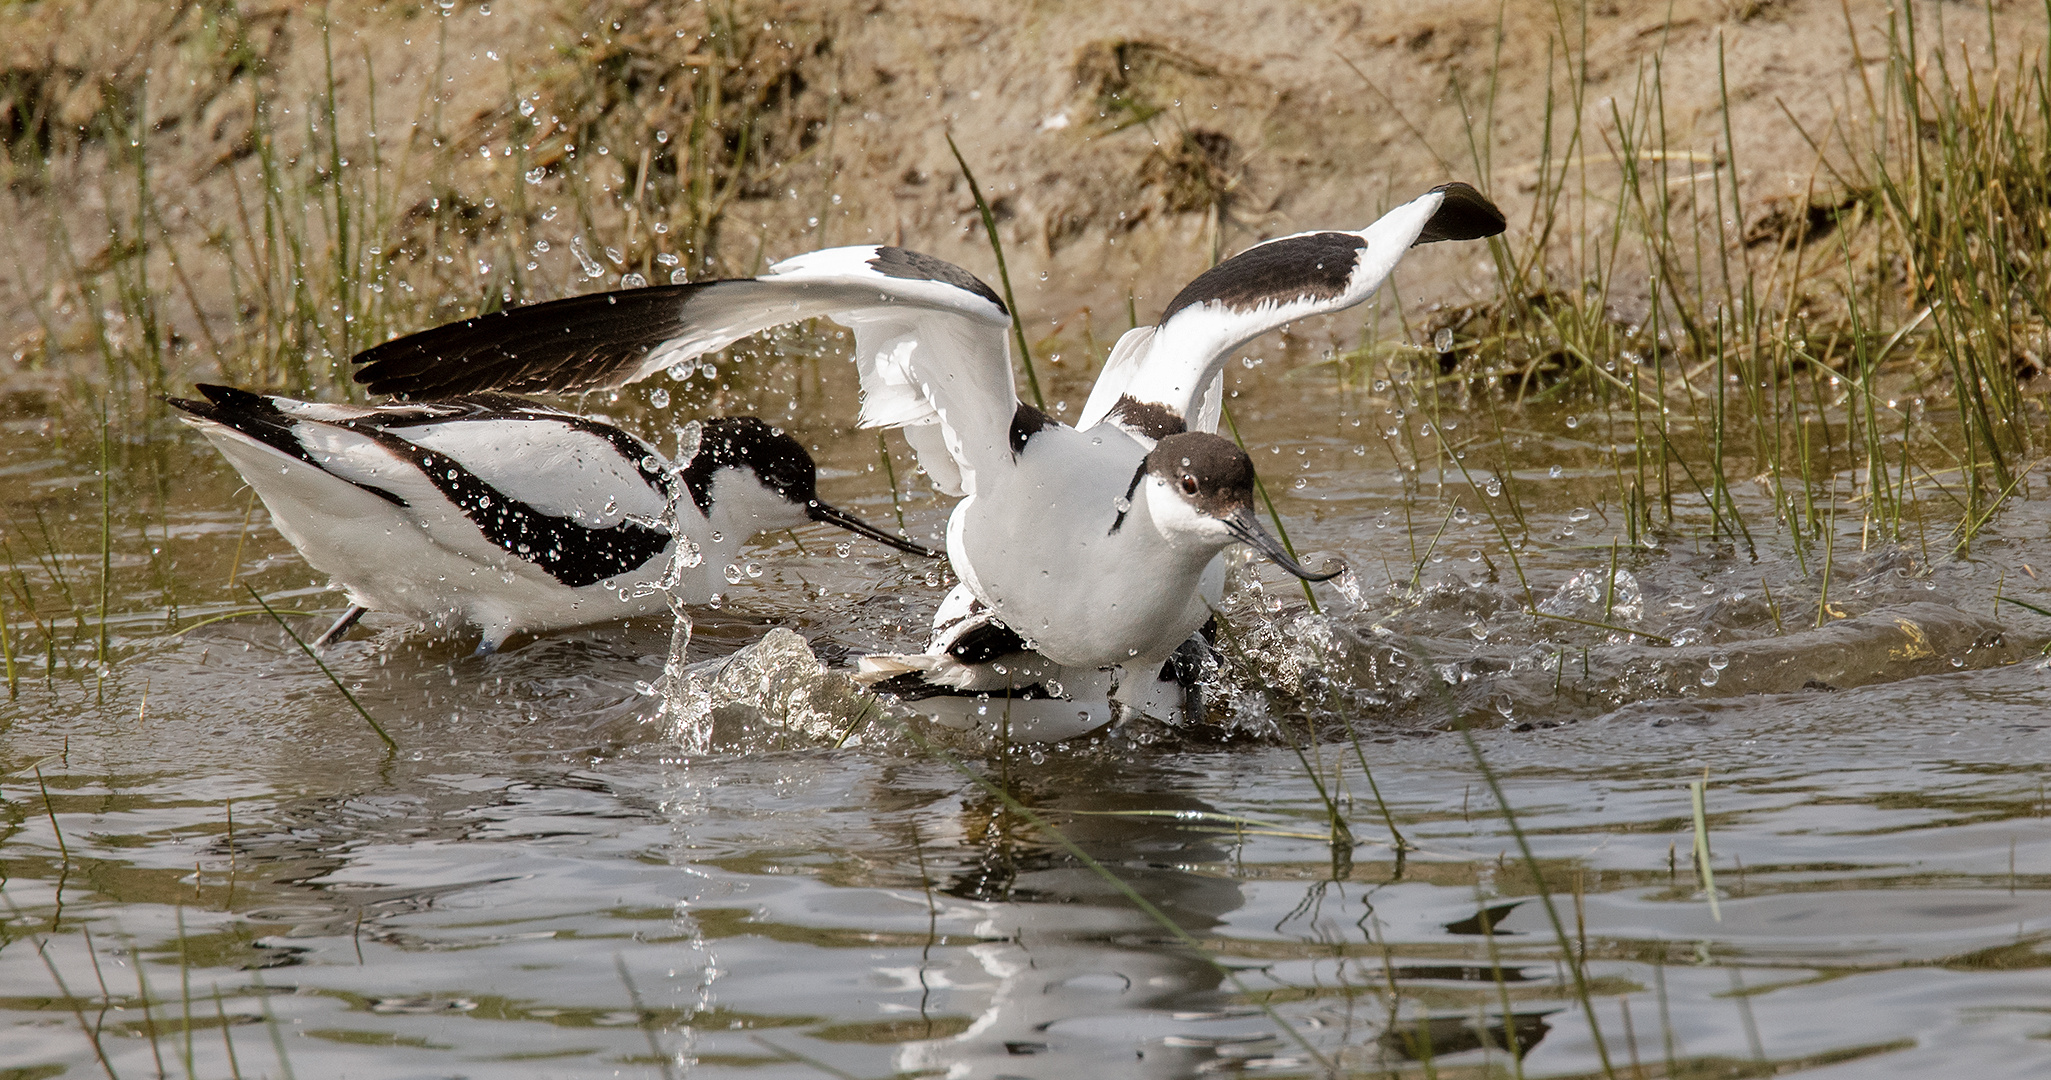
x=236 y=171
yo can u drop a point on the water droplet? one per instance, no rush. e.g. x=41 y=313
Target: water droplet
x=537 y=174
x=584 y=259
x=659 y=398
x=843 y=550
x=678 y=277
x=633 y=281
x=1054 y=687
x=1443 y=340
x=1555 y=472
x=1121 y=504
x=754 y=570
x=1493 y=486
x=1573 y=422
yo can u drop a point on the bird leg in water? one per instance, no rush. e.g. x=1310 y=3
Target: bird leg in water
x=334 y=633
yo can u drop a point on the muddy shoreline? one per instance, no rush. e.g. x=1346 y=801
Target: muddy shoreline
x=1121 y=146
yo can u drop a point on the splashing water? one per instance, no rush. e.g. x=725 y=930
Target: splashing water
x=680 y=700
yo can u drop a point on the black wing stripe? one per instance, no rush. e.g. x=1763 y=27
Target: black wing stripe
x=256 y=416
x=487 y=407
x=1151 y=419
x=990 y=641
x=570 y=344
x=1026 y=422
x=574 y=554
x=1315 y=266
x=911 y=265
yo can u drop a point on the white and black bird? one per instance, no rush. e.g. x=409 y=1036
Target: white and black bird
x=494 y=512
x=1088 y=555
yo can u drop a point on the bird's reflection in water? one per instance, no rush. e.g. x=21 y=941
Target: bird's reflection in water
x=1086 y=984
x=1081 y=982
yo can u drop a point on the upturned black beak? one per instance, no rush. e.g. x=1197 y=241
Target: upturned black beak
x=819 y=511
x=1247 y=528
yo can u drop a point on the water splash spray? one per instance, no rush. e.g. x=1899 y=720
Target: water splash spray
x=683 y=706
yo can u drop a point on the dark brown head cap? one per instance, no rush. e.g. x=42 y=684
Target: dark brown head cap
x=1208 y=470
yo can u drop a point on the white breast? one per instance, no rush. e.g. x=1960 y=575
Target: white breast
x=1040 y=550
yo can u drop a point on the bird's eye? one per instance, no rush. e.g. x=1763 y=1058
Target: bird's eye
x=1189 y=484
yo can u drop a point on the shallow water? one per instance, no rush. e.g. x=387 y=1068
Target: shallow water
x=541 y=883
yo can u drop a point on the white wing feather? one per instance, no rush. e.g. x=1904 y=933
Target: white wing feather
x=1124 y=362
x=929 y=352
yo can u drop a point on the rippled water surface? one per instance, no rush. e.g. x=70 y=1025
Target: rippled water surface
x=214 y=868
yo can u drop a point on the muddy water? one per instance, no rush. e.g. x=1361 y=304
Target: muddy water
x=225 y=873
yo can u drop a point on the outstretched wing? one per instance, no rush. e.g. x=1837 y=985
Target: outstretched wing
x=1158 y=377
x=930 y=344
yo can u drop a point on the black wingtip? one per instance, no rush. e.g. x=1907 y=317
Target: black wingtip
x=1464 y=214
x=230 y=396
x=220 y=401
x=196 y=408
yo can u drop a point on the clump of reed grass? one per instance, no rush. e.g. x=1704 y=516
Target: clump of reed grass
x=1805 y=349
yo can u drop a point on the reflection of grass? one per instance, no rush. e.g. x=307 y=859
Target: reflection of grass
x=383 y=736
x=885 y=1032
